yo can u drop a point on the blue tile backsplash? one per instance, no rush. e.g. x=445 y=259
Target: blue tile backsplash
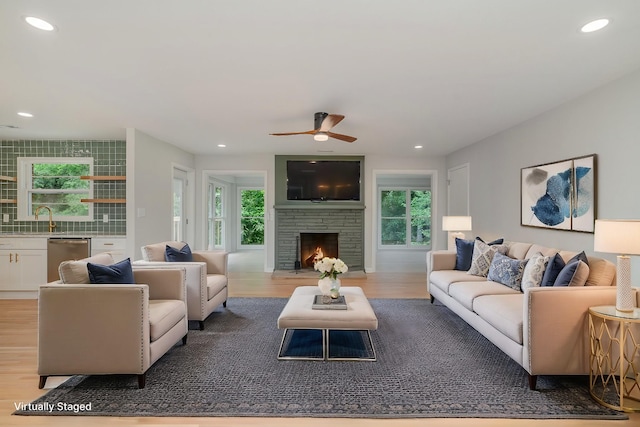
x=109 y=159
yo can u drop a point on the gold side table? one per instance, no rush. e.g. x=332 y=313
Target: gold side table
x=614 y=378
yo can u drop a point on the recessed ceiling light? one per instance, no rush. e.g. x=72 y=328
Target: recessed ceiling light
x=24 y=114
x=596 y=25
x=40 y=24
x=222 y=145
x=417 y=146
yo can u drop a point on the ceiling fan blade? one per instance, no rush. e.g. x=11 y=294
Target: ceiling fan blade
x=330 y=121
x=308 y=132
x=345 y=138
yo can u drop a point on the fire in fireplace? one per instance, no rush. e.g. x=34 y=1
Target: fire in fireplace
x=315 y=246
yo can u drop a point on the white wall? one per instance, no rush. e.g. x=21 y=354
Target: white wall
x=605 y=122
x=149 y=187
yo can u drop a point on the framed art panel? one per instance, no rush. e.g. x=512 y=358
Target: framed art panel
x=559 y=195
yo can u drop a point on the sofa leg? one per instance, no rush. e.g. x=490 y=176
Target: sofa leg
x=224 y=304
x=201 y=324
x=533 y=379
x=432 y=298
x=184 y=339
x=142 y=380
x=42 y=382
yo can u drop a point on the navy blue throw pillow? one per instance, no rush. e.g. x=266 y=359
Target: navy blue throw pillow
x=555 y=266
x=178 y=255
x=464 y=253
x=581 y=256
x=118 y=273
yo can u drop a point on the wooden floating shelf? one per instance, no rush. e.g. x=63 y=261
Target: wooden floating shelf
x=103 y=200
x=8 y=201
x=8 y=178
x=104 y=177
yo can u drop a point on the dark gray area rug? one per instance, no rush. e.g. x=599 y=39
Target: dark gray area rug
x=430 y=364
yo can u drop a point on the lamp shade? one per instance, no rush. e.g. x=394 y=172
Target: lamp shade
x=617 y=236
x=456 y=223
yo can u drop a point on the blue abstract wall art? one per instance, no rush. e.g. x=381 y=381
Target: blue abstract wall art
x=559 y=195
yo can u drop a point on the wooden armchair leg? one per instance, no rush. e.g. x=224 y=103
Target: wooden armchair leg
x=533 y=380
x=142 y=380
x=42 y=382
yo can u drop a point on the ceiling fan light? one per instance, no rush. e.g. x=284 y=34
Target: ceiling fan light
x=321 y=136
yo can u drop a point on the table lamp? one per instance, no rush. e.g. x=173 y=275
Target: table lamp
x=620 y=237
x=455 y=225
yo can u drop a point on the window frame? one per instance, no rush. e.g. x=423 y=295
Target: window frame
x=407 y=245
x=25 y=188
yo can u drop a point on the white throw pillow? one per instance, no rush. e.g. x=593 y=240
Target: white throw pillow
x=534 y=271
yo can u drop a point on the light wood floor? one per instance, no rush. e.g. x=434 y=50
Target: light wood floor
x=18 y=378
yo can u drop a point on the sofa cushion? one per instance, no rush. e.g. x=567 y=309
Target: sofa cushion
x=215 y=283
x=164 y=315
x=554 y=267
x=503 y=312
x=75 y=272
x=575 y=273
x=534 y=271
x=466 y=292
x=183 y=254
x=442 y=279
x=507 y=271
x=535 y=248
x=518 y=250
x=482 y=256
x=602 y=272
x=118 y=273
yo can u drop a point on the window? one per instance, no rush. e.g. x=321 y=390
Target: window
x=215 y=217
x=55 y=182
x=251 y=217
x=405 y=217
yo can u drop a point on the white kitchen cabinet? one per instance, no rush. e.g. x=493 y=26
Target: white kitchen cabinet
x=115 y=245
x=23 y=264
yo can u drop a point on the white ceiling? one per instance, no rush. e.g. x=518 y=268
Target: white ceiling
x=443 y=74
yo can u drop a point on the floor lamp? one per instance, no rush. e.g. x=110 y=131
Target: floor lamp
x=455 y=225
x=620 y=237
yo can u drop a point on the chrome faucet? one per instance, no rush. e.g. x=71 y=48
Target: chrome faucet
x=52 y=224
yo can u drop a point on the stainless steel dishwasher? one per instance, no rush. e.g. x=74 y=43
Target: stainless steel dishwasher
x=64 y=249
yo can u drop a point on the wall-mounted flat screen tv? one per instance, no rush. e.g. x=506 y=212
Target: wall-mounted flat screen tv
x=320 y=180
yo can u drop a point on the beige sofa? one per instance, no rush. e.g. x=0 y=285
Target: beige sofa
x=544 y=329
x=206 y=277
x=90 y=329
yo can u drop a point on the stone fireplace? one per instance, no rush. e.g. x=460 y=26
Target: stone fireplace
x=339 y=232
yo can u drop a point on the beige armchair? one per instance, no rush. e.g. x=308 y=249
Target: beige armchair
x=207 y=278
x=88 y=329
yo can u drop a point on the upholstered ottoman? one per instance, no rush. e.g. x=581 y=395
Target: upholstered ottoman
x=359 y=319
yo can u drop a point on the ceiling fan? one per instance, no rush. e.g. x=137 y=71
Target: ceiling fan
x=323 y=122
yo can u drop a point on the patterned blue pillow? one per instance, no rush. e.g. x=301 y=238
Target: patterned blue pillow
x=507 y=271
